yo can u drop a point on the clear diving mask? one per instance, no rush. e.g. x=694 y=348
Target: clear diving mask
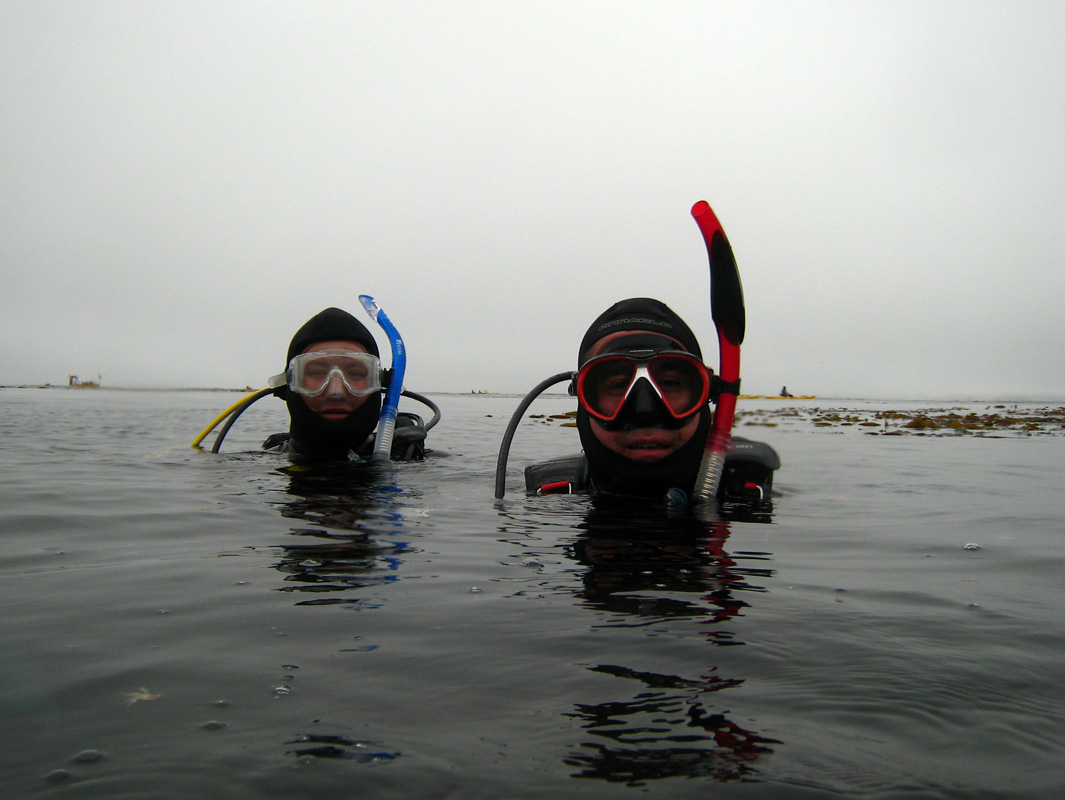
x=311 y=374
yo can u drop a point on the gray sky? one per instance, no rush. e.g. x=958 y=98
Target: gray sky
x=185 y=183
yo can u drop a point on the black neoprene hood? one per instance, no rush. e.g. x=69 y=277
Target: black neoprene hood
x=610 y=472
x=314 y=436
x=640 y=314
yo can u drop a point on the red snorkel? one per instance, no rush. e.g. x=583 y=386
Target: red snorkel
x=726 y=307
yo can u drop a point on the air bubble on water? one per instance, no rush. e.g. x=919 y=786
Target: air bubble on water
x=475 y=590
x=281 y=691
x=88 y=757
x=971 y=546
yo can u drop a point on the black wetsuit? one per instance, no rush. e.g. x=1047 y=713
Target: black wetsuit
x=408 y=444
x=747 y=476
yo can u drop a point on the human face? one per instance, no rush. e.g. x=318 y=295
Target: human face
x=640 y=444
x=335 y=403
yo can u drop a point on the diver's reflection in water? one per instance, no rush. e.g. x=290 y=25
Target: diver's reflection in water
x=352 y=534
x=646 y=568
x=350 y=541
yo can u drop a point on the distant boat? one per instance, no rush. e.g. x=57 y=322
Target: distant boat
x=778 y=396
x=76 y=384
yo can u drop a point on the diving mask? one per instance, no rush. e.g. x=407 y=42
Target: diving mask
x=311 y=374
x=674 y=381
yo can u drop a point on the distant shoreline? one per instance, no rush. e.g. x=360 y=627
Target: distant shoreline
x=777 y=402
x=121 y=388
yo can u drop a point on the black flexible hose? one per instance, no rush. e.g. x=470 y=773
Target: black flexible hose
x=263 y=392
x=427 y=402
x=504 y=446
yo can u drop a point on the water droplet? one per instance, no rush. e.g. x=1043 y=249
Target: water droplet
x=58 y=776
x=475 y=590
x=88 y=757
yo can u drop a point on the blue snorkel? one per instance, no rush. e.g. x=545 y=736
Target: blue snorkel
x=382 y=448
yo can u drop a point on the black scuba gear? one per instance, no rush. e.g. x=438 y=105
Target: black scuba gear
x=748 y=474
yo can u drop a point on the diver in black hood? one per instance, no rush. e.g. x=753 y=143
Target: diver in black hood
x=332 y=385
x=643 y=414
x=642 y=394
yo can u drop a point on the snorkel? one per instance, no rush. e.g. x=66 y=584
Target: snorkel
x=390 y=408
x=726 y=308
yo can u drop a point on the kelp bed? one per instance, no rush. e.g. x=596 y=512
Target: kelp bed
x=1002 y=419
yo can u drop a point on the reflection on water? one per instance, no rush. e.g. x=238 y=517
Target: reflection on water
x=353 y=538
x=316 y=745
x=645 y=568
x=649 y=564
x=665 y=732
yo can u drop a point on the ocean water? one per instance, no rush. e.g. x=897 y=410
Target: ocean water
x=177 y=624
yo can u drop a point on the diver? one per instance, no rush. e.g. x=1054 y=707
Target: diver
x=333 y=385
x=643 y=415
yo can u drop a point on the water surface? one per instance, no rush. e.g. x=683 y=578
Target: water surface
x=178 y=624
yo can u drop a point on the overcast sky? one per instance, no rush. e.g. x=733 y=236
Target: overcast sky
x=185 y=183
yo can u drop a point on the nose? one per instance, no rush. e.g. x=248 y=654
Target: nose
x=335 y=386
x=645 y=405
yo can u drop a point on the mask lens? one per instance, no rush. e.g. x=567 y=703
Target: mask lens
x=681 y=383
x=604 y=385
x=313 y=373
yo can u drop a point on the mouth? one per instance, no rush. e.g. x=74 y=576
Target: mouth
x=334 y=413
x=648 y=447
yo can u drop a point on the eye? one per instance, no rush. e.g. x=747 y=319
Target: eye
x=671 y=380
